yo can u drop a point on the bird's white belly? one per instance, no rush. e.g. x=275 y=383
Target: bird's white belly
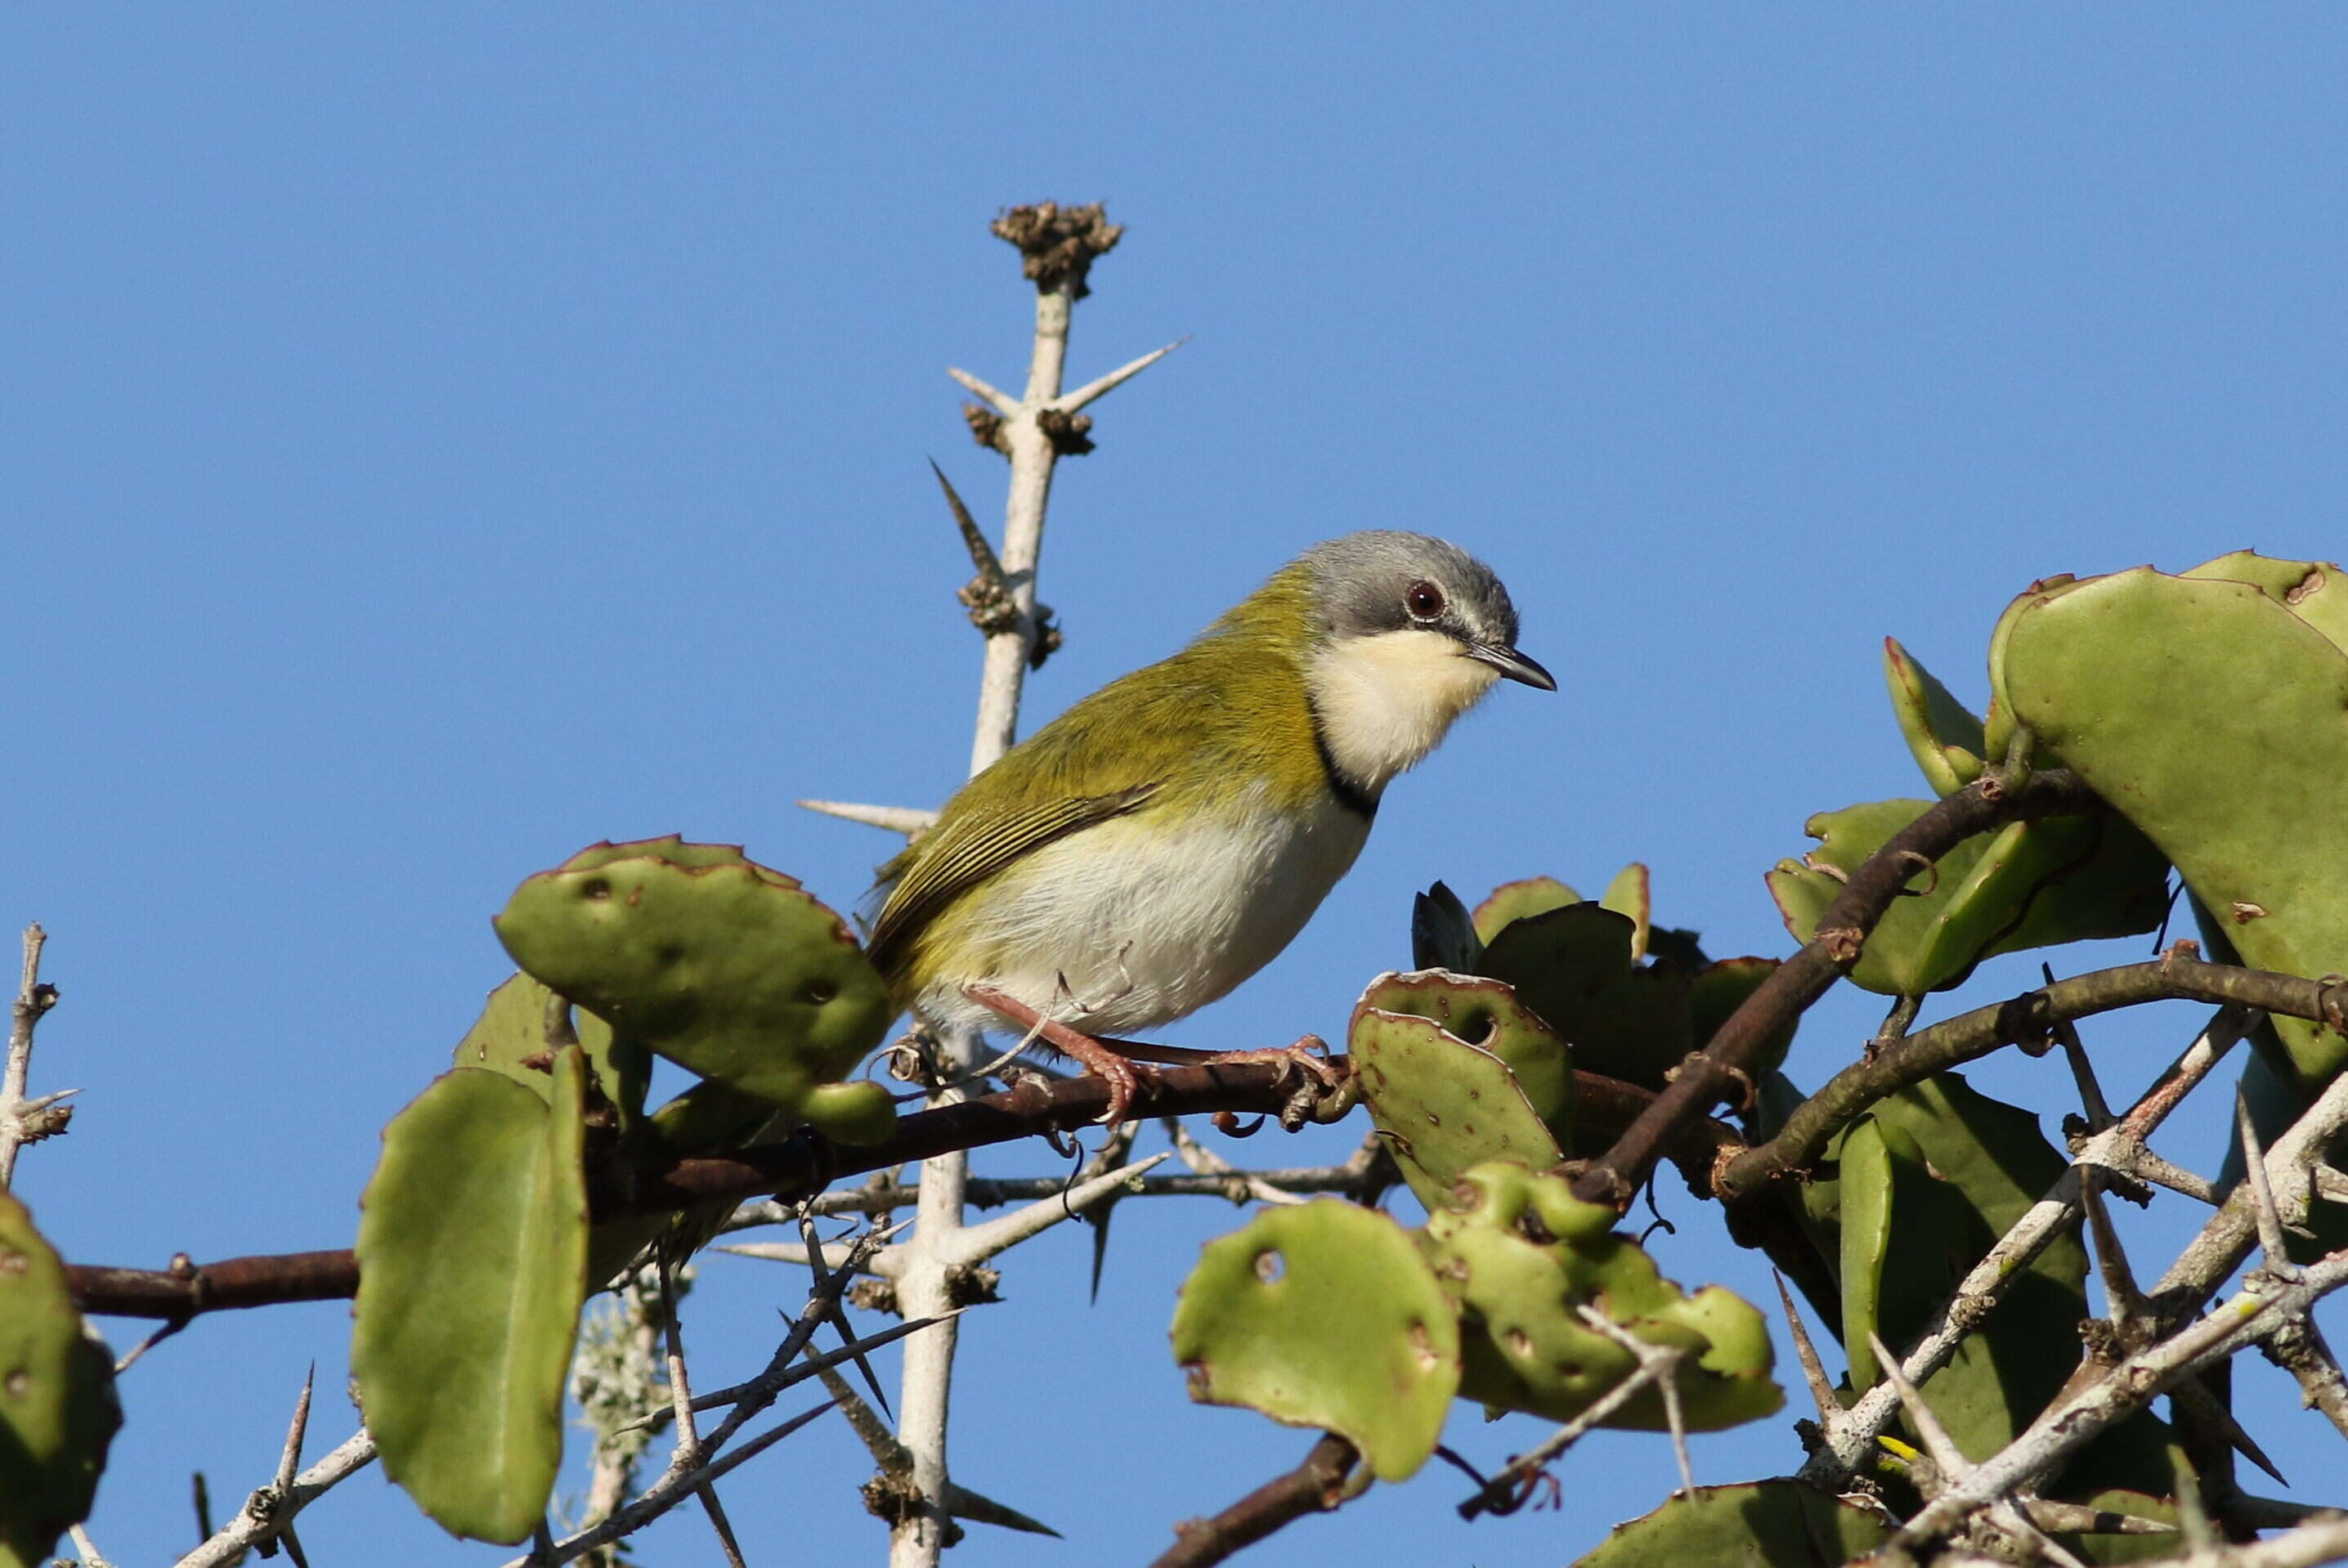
x=1130 y=924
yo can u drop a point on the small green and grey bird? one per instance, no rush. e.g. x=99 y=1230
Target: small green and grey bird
x=1165 y=838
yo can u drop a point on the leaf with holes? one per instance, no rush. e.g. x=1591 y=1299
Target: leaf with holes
x=1324 y=1314
x=472 y=1251
x=721 y=966
x=1448 y=1104
x=57 y=1409
x=1520 y=1255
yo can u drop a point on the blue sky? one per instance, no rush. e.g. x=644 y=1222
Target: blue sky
x=438 y=438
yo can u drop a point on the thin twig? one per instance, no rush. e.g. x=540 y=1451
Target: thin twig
x=22 y=1122
x=2264 y=1304
x=253 y=1527
x=1847 y=1450
x=2299 y=1348
x=1315 y=1486
x=909 y=820
x=1502 y=1493
x=1971 y=1036
x=655 y=1419
x=1713 y=1074
x=798 y=1167
x=665 y=1494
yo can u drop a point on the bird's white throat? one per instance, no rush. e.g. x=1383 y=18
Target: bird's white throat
x=1385 y=700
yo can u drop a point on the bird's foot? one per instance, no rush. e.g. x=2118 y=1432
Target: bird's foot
x=1121 y=1073
x=1307 y=1061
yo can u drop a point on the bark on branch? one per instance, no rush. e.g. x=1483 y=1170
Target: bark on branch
x=1719 y=1072
x=1315 y=1486
x=796 y=1169
x=2026 y=1018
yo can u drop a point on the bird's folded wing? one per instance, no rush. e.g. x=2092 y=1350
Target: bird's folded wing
x=957 y=856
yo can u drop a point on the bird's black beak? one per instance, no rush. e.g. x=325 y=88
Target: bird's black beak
x=1513 y=665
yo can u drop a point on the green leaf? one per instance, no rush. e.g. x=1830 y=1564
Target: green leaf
x=2031 y=884
x=1516 y=900
x=1324 y=1314
x=2208 y=709
x=512 y=1030
x=1760 y=1525
x=1442 y=932
x=1942 y=733
x=57 y=1409
x=1629 y=895
x=472 y=1252
x=1520 y=1253
x=1458 y=1073
x=1571 y=964
x=2105 y=1548
x=2314 y=591
x=723 y=967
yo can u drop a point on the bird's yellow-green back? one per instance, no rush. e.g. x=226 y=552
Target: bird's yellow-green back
x=1227 y=715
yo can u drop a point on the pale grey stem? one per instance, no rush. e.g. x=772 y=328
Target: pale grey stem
x=1814 y=1372
x=909 y=820
x=1003 y=403
x=1662 y=1362
x=834 y=1255
x=976 y=1244
x=1093 y=391
x=33 y=999
x=2297 y=1347
x=1239 y=1185
x=2219 y=1250
x=925 y=1386
x=1852 y=1442
x=2263 y=1304
x=926 y=1284
x=91 y=1557
x=254 y=1525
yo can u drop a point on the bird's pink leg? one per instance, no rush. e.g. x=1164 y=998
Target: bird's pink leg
x=1115 y=1061
x=1122 y=1074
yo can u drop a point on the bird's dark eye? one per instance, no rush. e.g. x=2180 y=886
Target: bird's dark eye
x=1424 y=601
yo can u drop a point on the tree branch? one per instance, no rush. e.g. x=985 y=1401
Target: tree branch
x=2026 y=1018
x=796 y=1169
x=24 y=1121
x=1717 y=1073
x=1316 y=1486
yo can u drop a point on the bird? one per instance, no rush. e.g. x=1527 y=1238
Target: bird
x=1162 y=840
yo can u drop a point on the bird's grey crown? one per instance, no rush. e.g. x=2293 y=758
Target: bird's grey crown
x=1360 y=583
